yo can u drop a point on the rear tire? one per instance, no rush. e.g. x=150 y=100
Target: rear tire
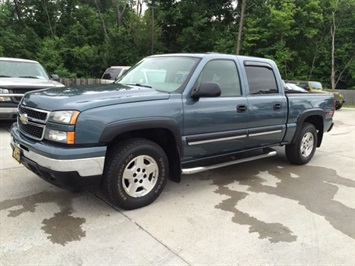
x=303 y=149
x=135 y=173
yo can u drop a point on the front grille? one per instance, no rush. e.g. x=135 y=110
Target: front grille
x=16 y=99
x=32 y=130
x=33 y=113
x=32 y=122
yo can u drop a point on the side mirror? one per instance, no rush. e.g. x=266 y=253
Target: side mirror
x=207 y=89
x=55 y=77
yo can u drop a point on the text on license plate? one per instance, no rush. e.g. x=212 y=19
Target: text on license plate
x=16 y=153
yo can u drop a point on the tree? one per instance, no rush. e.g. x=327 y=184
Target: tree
x=83 y=37
x=339 y=18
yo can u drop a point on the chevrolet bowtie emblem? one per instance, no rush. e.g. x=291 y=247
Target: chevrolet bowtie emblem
x=24 y=119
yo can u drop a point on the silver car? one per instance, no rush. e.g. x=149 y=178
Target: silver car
x=17 y=76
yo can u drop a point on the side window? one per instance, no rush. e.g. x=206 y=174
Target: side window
x=225 y=73
x=261 y=80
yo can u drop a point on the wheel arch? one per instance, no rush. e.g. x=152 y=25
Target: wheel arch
x=165 y=132
x=314 y=117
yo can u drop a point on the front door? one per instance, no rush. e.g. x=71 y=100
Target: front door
x=216 y=125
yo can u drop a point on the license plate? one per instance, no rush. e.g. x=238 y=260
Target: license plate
x=16 y=153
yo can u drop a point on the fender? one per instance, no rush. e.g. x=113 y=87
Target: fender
x=113 y=130
x=304 y=116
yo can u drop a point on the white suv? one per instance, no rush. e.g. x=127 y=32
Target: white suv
x=17 y=76
x=112 y=73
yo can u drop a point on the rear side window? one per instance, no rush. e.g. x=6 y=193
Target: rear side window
x=261 y=80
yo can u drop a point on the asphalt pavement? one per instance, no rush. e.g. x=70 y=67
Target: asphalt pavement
x=265 y=212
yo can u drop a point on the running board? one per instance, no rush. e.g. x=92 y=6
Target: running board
x=194 y=170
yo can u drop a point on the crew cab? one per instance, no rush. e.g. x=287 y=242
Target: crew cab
x=169 y=115
x=18 y=76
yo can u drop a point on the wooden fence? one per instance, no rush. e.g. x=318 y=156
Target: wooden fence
x=349 y=95
x=81 y=81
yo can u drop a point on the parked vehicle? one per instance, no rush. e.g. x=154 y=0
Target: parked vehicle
x=112 y=73
x=169 y=115
x=290 y=87
x=18 y=76
x=317 y=87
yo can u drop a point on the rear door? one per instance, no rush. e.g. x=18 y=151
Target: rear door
x=267 y=105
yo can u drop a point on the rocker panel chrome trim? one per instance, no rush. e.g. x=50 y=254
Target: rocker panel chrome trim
x=216 y=140
x=194 y=170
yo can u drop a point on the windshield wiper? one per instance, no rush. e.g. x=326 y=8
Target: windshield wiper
x=30 y=77
x=139 y=85
x=5 y=76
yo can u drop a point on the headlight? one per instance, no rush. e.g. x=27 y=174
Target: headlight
x=4 y=98
x=60 y=136
x=64 y=117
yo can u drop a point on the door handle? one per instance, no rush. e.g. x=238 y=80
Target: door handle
x=241 y=108
x=277 y=106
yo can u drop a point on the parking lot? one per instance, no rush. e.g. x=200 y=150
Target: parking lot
x=257 y=213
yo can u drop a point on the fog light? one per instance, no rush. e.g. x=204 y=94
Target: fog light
x=60 y=136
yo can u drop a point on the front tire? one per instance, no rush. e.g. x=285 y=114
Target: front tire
x=303 y=149
x=135 y=173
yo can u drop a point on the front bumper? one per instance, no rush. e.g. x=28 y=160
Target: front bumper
x=339 y=103
x=72 y=168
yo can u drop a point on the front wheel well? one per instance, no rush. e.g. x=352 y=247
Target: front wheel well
x=165 y=139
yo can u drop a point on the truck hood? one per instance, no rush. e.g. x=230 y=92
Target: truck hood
x=30 y=83
x=86 y=97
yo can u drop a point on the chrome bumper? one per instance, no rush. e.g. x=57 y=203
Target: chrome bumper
x=86 y=165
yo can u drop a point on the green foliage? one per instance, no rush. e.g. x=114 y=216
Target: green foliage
x=81 y=38
x=50 y=57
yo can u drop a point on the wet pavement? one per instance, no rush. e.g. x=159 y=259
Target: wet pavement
x=261 y=212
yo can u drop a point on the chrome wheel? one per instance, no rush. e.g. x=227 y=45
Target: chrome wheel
x=304 y=146
x=135 y=174
x=140 y=176
x=307 y=144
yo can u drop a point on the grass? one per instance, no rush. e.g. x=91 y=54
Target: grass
x=349 y=105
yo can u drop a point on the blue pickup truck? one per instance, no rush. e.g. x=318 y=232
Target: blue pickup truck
x=168 y=115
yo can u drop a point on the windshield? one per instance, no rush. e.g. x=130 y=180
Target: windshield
x=160 y=73
x=20 y=69
x=111 y=73
x=316 y=85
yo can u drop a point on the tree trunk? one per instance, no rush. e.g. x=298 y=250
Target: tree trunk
x=119 y=11
x=240 y=26
x=152 y=28
x=102 y=20
x=18 y=11
x=332 y=74
x=44 y=3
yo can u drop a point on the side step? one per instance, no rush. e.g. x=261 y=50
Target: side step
x=194 y=170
